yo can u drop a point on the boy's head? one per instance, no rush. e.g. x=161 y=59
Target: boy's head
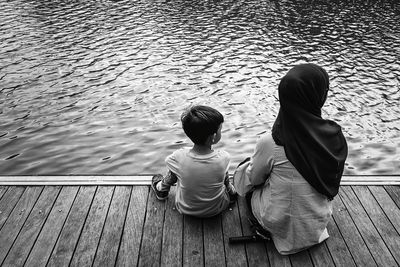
x=200 y=122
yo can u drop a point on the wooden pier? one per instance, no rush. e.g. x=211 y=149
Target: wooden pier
x=124 y=225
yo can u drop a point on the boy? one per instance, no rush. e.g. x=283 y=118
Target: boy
x=201 y=173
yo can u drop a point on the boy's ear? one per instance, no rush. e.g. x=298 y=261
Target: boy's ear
x=214 y=135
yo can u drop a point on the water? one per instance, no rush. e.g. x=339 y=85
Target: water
x=97 y=87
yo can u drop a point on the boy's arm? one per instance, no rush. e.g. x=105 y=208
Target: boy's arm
x=170 y=178
x=173 y=166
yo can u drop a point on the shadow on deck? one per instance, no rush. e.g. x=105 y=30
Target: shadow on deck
x=127 y=226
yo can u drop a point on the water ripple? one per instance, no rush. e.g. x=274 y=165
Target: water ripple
x=94 y=86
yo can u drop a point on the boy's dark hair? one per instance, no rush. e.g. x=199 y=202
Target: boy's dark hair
x=199 y=122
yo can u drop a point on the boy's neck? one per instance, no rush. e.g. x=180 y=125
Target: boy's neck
x=202 y=149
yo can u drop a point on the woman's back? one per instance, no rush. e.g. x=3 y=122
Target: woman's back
x=288 y=206
x=297 y=169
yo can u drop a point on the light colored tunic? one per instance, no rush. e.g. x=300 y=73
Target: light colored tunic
x=283 y=202
x=200 y=188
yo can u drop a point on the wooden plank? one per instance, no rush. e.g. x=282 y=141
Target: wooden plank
x=386 y=230
x=320 y=255
x=17 y=219
x=150 y=252
x=129 y=250
x=370 y=235
x=69 y=235
x=214 y=254
x=76 y=180
x=301 y=259
x=235 y=254
x=3 y=189
x=171 y=252
x=107 y=250
x=388 y=205
x=276 y=259
x=337 y=247
x=370 y=180
x=394 y=192
x=8 y=201
x=350 y=234
x=47 y=238
x=146 y=180
x=256 y=252
x=345 y=226
x=193 y=252
x=90 y=236
x=32 y=227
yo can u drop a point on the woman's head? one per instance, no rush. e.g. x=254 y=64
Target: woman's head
x=316 y=147
x=304 y=86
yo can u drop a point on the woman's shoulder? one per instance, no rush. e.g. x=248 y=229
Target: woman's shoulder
x=266 y=140
x=265 y=146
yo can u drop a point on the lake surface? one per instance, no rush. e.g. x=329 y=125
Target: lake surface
x=97 y=87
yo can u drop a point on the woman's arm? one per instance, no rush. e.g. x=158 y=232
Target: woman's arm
x=262 y=161
x=255 y=170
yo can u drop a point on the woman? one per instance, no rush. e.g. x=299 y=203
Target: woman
x=295 y=172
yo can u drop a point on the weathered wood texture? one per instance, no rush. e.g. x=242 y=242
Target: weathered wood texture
x=171 y=250
x=129 y=249
x=127 y=226
x=86 y=247
x=65 y=246
x=17 y=219
x=32 y=227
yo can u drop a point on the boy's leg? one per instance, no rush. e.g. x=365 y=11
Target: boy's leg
x=161 y=185
x=169 y=180
x=229 y=186
x=230 y=189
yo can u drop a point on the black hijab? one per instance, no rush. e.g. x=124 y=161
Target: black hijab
x=316 y=147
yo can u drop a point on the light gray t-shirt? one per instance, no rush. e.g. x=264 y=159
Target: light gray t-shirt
x=200 y=187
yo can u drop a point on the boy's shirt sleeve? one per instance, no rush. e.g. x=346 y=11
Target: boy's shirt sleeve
x=227 y=160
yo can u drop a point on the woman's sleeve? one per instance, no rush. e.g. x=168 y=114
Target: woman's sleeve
x=256 y=170
x=262 y=161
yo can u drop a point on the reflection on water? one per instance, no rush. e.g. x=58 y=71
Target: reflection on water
x=98 y=86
